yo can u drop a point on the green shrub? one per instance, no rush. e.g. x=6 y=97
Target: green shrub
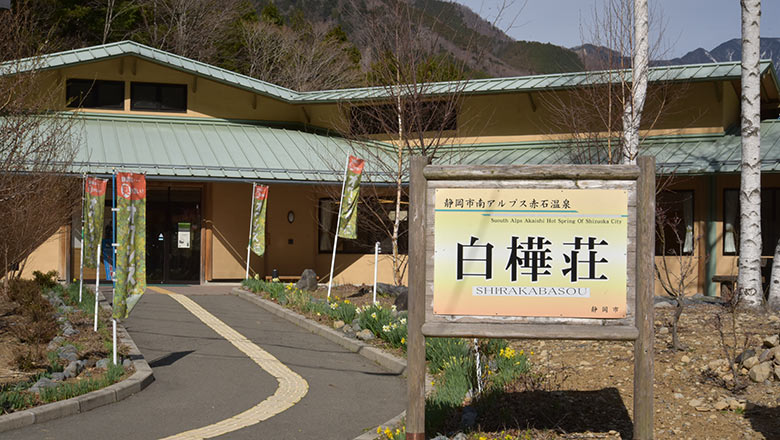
x=509 y=366
x=342 y=311
x=374 y=317
x=439 y=351
x=15 y=398
x=46 y=280
x=68 y=390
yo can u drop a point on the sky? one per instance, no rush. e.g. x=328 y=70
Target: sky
x=690 y=24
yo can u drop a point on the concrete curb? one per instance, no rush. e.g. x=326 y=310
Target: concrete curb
x=142 y=377
x=385 y=360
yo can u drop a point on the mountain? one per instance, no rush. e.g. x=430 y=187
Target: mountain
x=731 y=50
x=461 y=33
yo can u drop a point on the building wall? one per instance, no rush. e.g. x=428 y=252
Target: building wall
x=205 y=98
x=50 y=255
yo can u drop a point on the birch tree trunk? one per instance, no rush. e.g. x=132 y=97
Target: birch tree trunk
x=749 y=277
x=632 y=113
x=774 y=284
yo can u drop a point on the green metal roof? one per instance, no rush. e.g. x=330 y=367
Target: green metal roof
x=699 y=72
x=210 y=149
x=207 y=149
x=681 y=154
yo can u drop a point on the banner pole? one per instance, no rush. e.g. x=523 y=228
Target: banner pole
x=81 y=257
x=338 y=224
x=376 y=261
x=113 y=322
x=251 y=227
x=97 y=286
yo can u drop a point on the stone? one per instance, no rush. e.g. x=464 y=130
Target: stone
x=468 y=418
x=127 y=363
x=338 y=324
x=695 y=403
x=685 y=359
x=460 y=436
x=58 y=377
x=390 y=289
x=402 y=301
x=777 y=372
x=744 y=355
x=765 y=355
x=55 y=343
x=441 y=437
x=308 y=280
x=751 y=362
x=735 y=405
x=663 y=331
x=721 y=405
x=70 y=331
x=365 y=335
x=678 y=396
x=90 y=363
x=772 y=341
x=774 y=319
x=663 y=305
x=43 y=382
x=103 y=363
x=73 y=369
x=760 y=372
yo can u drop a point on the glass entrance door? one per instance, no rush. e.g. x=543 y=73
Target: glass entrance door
x=173 y=235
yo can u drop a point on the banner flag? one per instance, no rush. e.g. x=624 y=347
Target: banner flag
x=131 y=242
x=349 y=200
x=258 y=219
x=94 y=207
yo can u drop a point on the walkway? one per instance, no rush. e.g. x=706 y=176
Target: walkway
x=206 y=380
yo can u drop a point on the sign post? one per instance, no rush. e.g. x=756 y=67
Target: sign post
x=551 y=252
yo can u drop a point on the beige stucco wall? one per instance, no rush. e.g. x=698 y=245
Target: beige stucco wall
x=50 y=255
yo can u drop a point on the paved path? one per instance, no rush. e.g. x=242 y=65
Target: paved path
x=203 y=379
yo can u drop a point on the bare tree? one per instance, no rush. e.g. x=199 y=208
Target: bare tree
x=600 y=119
x=749 y=276
x=36 y=147
x=310 y=56
x=411 y=108
x=114 y=10
x=677 y=270
x=190 y=28
x=773 y=301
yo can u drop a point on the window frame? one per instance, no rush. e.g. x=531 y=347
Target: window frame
x=93 y=90
x=158 y=97
x=681 y=196
x=360 y=245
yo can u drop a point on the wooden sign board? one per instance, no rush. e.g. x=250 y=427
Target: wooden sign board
x=533 y=251
x=537 y=252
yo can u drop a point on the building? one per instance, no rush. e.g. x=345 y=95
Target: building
x=202 y=134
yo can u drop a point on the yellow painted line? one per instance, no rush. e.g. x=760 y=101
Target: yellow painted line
x=292 y=387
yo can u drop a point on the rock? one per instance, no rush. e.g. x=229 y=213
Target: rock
x=356 y=325
x=90 y=363
x=365 y=335
x=441 y=437
x=308 y=280
x=750 y=362
x=460 y=436
x=73 y=369
x=338 y=324
x=55 y=343
x=402 y=301
x=735 y=405
x=663 y=305
x=744 y=355
x=663 y=331
x=678 y=396
x=43 y=382
x=695 y=403
x=721 y=405
x=468 y=418
x=765 y=355
x=685 y=359
x=58 y=377
x=103 y=363
x=70 y=331
x=760 y=372
x=390 y=289
x=772 y=341
x=127 y=363
x=774 y=319
x=777 y=372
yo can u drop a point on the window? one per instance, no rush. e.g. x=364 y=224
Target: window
x=158 y=97
x=374 y=222
x=87 y=93
x=674 y=223
x=426 y=116
x=770 y=216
